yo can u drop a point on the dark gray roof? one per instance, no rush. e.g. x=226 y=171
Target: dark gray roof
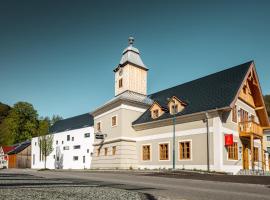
x=20 y=147
x=80 y=121
x=214 y=91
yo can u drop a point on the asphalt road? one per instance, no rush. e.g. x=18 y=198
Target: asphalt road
x=161 y=187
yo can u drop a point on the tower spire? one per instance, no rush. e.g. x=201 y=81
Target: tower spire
x=130 y=41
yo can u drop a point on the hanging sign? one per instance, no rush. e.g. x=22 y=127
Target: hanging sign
x=228 y=139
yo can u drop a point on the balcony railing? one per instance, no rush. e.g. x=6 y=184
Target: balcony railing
x=250 y=127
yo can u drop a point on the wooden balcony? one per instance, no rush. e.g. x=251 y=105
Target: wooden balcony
x=246 y=129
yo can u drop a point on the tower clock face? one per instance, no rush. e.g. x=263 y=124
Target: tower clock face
x=120 y=72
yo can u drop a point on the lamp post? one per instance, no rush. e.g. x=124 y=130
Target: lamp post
x=174 y=137
x=173 y=112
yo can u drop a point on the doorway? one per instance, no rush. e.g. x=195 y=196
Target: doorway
x=245 y=157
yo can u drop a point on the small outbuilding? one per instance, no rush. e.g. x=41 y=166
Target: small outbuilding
x=20 y=156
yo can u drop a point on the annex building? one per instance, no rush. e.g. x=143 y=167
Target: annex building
x=72 y=144
x=219 y=121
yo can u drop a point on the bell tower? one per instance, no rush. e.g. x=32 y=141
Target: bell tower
x=131 y=73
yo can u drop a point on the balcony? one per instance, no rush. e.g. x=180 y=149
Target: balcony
x=246 y=129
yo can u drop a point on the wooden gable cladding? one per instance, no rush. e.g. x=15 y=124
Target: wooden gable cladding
x=250 y=92
x=177 y=104
x=156 y=110
x=246 y=94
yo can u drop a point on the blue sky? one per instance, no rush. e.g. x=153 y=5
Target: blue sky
x=59 y=55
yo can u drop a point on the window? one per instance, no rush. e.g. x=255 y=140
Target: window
x=256 y=154
x=62 y=142
x=234 y=114
x=75 y=158
x=243 y=115
x=146 y=152
x=233 y=151
x=68 y=137
x=56 y=141
x=72 y=139
x=114 y=121
x=155 y=113
x=99 y=126
x=268 y=150
x=268 y=138
x=184 y=150
x=53 y=156
x=105 y=151
x=113 y=150
x=35 y=143
x=66 y=148
x=98 y=152
x=120 y=83
x=33 y=159
x=87 y=135
x=77 y=147
x=164 y=151
x=83 y=159
x=174 y=109
x=87 y=150
x=245 y=89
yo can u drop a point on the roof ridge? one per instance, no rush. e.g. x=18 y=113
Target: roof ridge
x=227 y=69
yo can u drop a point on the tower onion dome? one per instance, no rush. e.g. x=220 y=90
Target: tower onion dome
x=131 y=55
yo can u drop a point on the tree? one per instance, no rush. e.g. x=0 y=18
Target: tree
x=4 y=110
x=22 y=122
x=55 y=118
x=43 y=127
x=5 y=138
x=46 y=146
x=267 y=103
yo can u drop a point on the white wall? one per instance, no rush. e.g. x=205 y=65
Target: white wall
x=67 y=156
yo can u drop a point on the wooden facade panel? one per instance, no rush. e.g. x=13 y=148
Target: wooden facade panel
x=12 y=161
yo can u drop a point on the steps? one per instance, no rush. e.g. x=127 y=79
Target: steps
x=253 y=172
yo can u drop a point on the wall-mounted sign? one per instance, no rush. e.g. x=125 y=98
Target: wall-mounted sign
x=228 y=139
x=99 y=136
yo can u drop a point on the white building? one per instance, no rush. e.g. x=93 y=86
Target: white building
x=72 y=144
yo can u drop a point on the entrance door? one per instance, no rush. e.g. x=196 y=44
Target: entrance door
x=245 y=157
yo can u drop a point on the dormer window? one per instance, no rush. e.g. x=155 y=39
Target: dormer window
x=120 y=83
x=155 y=113
x=175 y=105
x=156 y=110
x=174 y=108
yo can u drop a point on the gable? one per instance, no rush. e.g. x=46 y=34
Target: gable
x=156 y=107
x=250 y=92
x=175 y=101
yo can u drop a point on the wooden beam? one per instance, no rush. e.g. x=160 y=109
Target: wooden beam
x=262 y=153
x=252 y=150
x=259 y=108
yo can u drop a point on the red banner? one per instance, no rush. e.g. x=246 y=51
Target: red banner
x=228 y=139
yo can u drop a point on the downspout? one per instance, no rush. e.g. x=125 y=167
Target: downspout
x=207 y=140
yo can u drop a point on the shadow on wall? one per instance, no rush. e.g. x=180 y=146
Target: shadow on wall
x=59 y=158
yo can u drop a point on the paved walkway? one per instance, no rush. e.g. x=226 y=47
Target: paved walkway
x=156 y=186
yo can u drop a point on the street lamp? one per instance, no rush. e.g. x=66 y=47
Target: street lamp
x=173 y=113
